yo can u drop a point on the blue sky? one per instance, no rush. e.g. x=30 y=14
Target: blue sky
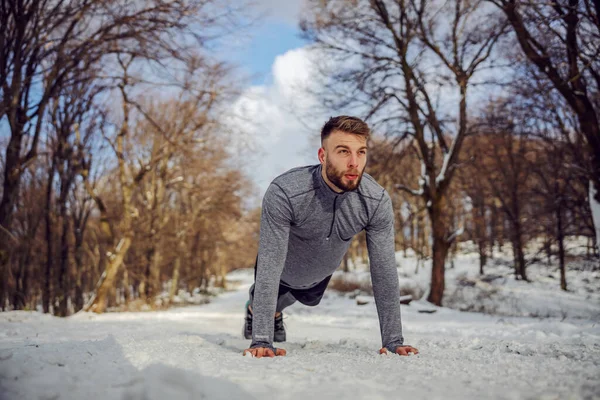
x=274 y=57
x=274 y=32
x=267 y=41
x=270 y=54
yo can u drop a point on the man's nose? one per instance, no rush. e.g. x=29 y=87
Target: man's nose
x=353 y=161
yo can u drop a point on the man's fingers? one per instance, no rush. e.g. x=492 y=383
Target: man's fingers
x=406 y=350
x=401 y=351
x=280 y=352
x=260 y=352
x=410 y=349
x=266 y=352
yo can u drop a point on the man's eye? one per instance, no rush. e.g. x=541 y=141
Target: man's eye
x=343 y=151
x=363 y=152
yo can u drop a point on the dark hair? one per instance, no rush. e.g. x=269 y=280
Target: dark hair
x=346 y=124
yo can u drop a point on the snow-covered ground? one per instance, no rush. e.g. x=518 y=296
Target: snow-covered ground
x=196 y=352
x=498 y=292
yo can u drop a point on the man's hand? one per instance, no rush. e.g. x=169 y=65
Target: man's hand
x=401 y=350
x=259 y=352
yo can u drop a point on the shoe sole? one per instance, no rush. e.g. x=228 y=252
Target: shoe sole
x=276 y=337
x=244 y=332
x=279 y=338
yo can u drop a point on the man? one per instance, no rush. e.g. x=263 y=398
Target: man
x=309 y=216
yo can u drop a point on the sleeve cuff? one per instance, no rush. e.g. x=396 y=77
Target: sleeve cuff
x=393 y=345
x=267 y=345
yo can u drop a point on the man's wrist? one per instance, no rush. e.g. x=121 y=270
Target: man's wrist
x=266 y=345
x=392 y=346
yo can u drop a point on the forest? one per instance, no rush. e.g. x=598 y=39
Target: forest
x=120 y=188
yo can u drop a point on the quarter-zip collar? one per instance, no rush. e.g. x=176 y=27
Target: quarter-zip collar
x=331 y=195
x=320 y=183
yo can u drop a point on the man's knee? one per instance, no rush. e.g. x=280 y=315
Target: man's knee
x=311 y=302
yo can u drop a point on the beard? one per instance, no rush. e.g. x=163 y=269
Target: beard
x=337 y=177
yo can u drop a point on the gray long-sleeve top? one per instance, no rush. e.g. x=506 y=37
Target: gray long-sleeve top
x=306 y=229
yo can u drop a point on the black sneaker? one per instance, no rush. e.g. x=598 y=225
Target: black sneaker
x=279 y=333
x=248 y=323
x=279 y=328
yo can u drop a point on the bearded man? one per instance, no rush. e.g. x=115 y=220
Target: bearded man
x=309 y=216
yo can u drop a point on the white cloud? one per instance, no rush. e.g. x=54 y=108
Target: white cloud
x=276 y=134
x=292 y=71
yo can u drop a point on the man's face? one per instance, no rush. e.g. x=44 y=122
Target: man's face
x=344 y=157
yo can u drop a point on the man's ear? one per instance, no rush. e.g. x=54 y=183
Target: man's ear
x=322 y=155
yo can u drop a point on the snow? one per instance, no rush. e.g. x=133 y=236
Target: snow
x=423 y=176
x=442 y=175
x=455 y=234
x=196 y=351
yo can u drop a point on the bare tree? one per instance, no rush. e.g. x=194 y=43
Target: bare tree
x=44 y=42
x=68 y=113
x=474 y=184
x=560 y=180
x=506 y=163
x=20 y=280
x=143 y=170
x=399 y=165
x=561 y=39
x=394 y=58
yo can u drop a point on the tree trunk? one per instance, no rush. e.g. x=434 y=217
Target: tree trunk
x=142 y=288
x=147 y=278
x=561 y=247
x=154 y=278
x=493 y=228
x=518 y=254
x=46 y=295
x=175 y=278
x=593 y=197
x=98 y=302
x=20 y=295
x=422 y=245
x=4 y=272
x=79 y=282
x=63 y=279
x=440 y=252
x=480 y=231
x=517 y=234
x=126 y=294
x=522 y=265
x=515 y=258
x=482 y=257
x=548 y=248
x=413 y=233
x=10 y=189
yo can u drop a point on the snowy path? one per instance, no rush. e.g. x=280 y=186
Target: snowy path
x=195 y=352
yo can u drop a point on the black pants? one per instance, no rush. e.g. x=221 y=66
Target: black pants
x=286 y=296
